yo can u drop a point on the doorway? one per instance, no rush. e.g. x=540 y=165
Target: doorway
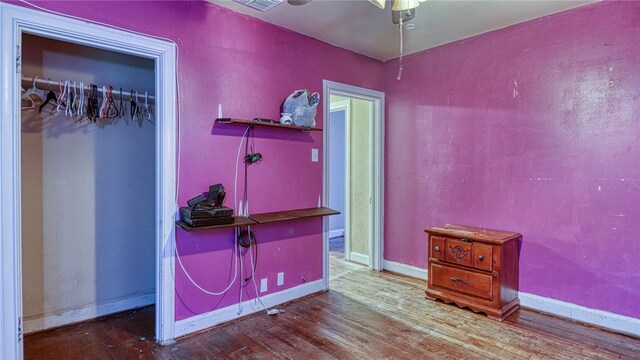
x=14 y=22
x=353 y=175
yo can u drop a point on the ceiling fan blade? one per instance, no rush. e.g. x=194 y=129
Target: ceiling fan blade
x=378 y=3
x=298 y=2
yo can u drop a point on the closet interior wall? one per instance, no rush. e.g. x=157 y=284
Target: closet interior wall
x=88 y=193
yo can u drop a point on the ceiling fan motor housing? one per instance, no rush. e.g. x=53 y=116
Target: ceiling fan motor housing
x=405 y=15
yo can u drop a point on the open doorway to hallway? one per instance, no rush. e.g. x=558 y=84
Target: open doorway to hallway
x=353 y=177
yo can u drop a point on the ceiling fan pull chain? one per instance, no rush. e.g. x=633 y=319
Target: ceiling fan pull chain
x=401 y=50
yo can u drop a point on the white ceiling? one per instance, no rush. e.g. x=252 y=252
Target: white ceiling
x=361 y=27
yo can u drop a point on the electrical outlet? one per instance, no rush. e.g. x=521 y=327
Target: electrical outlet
x=263 y=285
x=280 y=278
x=314 y=155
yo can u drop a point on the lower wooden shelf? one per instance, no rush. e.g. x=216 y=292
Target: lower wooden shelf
x=288 y=215
x=265 y=218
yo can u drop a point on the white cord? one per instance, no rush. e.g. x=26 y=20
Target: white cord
x=240 y=306
x=235 y=180
x=235 y=273
x=401 y=49
x=235 y=276
x=253 y=276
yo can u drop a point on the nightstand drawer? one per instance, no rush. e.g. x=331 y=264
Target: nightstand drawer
x=459 y=252
x=466 y=282
x=483 y=256
x=438 y=247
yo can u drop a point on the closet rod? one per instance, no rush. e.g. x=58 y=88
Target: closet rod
x=86 y=87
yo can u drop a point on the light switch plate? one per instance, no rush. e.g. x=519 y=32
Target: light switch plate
x=314 y=155
x=263 y=285
x=280 y=278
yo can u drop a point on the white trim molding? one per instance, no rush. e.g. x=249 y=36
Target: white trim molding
x=604 y=319
x=377 y=206
x=14 y=21
x=47 y=321
x=359 y=258
x=406 y=270
x=608 y=320
x=204 y=321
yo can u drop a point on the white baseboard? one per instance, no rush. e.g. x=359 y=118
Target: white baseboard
x=404 y=269
x=618 y=323
x=336 y=233
x=207 y=320
x=605 y=319
x=359 y=258
x=46 y=321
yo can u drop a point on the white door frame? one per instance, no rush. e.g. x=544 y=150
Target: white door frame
x=377 y=97
x=14 y=21
x=346 y=107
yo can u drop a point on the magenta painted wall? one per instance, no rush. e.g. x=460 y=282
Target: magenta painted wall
x=558 y=162
x=249 y=67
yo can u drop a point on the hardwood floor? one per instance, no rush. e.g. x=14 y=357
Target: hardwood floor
x=366 y=315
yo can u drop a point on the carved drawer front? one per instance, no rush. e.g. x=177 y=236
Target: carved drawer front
x=459 y=252
x=482 y=256
x=438 y=247
x=466 y=282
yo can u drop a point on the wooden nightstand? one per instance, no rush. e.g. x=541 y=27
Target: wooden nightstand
x=475 y=268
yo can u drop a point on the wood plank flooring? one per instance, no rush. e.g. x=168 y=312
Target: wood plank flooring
x=366 y=315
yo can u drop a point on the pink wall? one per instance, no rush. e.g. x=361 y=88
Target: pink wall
x=559 y=162
x=250 y=67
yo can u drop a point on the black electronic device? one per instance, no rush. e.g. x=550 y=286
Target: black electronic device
x=209 y=221
x=203 y=213
x=217 y=194
x=207 y=210
x=252 y=158
x=196 y=200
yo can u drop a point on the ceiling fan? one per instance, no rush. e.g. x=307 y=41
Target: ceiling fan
x=400 y=9
x=401 y=12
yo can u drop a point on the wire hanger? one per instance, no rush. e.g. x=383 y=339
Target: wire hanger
x=82 y=110
x=110 y=110
x=93 y=111
x=121 y=110
x=135 y=110
x=25 y=97
x=35 y=91
x=63 y=95
x=51 y=96
x=147 y=112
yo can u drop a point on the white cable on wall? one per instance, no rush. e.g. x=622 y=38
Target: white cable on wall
x=236 y=245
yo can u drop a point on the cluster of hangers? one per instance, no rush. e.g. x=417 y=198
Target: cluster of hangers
x=80 y=101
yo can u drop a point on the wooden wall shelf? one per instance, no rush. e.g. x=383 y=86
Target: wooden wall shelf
x=259 y=123
x=276 y=216
x=265 y=218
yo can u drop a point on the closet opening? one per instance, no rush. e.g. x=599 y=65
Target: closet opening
x=88 y=183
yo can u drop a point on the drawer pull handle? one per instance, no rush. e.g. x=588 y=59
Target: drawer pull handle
x=465 y=240
x=454 y=279
x=437 y=248
x=480 y=257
